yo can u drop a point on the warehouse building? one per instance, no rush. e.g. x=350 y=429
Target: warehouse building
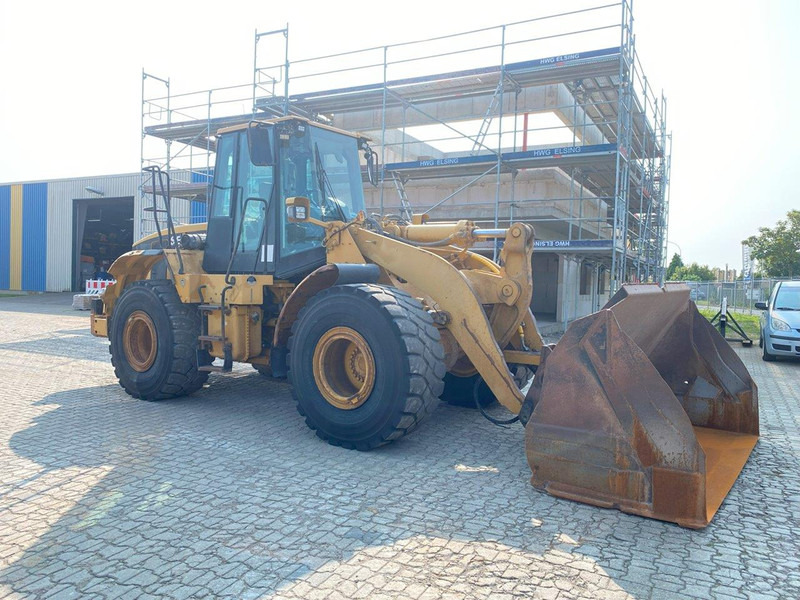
x=55 y=234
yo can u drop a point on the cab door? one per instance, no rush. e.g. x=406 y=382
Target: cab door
x=253 y=236
x=240 y=211
x=219 y=231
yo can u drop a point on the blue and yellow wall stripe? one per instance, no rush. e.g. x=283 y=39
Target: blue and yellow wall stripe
x=199 y=210
x=5 y=236
x=15 y=264
x=23 y=237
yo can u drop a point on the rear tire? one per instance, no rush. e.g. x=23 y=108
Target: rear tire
x=153 y=342
x=460 y=391
x=366 y=365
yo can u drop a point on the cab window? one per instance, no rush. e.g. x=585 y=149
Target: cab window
x=324 y=167
x=223 y=180
x=257 y=183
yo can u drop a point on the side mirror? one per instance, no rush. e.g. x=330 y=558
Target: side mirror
x=761 y=306
x=297 y=209
x=259 y=144
x=372 y=162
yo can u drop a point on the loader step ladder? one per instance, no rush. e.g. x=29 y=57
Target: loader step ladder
x=161 y=185
x=405 y=206
x=205 y=340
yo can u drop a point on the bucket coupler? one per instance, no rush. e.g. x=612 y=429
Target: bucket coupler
x=643 y=407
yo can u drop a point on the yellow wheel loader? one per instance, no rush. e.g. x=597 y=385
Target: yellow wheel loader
x=641 y=406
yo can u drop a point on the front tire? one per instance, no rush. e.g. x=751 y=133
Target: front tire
x=366 y=365
x=765 y=355
x=153 y=342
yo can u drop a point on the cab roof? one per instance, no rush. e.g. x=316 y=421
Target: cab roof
x=243 y=126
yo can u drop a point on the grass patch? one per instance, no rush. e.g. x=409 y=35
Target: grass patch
x=750 y=323
x=7 y=295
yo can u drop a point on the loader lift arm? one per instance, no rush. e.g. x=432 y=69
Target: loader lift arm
x=462 y=298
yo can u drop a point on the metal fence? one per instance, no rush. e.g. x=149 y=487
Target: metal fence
x=741 y=294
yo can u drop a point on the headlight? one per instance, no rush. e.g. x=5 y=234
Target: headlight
x=779 y=325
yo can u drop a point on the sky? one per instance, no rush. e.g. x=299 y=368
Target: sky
x=71 y=77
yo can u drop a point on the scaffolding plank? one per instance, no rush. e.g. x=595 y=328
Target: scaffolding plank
x=474 y=165
x=469 y=82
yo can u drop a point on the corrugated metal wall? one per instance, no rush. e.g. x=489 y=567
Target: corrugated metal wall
x=60 y=201
x=199 y=209
x=5 y=236
x=23 y=236
x=36 y=226
x=15 y=266
x=34 y=236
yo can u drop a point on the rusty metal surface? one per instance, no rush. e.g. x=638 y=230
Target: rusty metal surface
x=699 y=366
x=619 y=403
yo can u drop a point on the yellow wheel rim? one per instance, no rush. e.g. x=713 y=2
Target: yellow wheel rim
x=140 y=341
x=344 y=368
x=463 y=368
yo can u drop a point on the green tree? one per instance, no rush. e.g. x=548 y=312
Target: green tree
x=676 y=262
x=776 y=248
x=693 y=272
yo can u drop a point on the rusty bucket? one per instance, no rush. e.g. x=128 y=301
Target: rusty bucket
x=644 y=407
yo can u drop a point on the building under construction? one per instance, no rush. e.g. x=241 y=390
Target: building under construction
x=548 y=120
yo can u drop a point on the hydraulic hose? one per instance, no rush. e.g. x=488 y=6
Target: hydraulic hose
x=487 y=416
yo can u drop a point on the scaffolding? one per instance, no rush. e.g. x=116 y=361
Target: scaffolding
x=469 y=125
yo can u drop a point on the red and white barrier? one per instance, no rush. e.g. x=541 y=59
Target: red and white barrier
x=97 y=286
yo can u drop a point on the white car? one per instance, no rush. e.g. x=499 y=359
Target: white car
x=780 y=321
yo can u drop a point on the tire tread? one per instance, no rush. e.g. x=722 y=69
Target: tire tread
x=184 y=378
x=416 y=330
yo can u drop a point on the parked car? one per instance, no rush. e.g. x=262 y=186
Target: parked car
x=696 y=292
x=780 y=321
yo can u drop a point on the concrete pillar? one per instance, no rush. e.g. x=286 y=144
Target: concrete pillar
x=568 y=281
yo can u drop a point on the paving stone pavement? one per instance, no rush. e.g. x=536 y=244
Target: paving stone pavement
x=227 y=494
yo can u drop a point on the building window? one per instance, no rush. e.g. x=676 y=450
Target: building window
x=601 y=281
x=586 y=279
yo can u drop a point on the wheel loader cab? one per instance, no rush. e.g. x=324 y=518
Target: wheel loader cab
x=257 y=168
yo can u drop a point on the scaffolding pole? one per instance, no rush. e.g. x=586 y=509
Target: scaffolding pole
x=601 y=96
